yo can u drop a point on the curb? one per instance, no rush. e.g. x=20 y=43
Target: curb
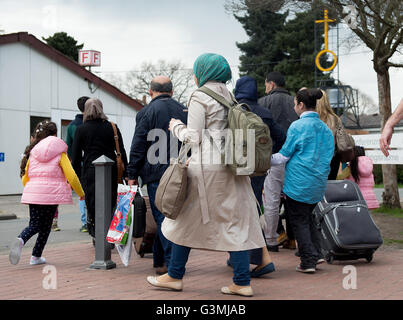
x=7 y=216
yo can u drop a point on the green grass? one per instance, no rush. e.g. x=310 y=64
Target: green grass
x=395 y=212
x=380 y=186
x=388 y=241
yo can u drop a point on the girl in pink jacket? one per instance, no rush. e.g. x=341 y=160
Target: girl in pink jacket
x=361 y=173
x=46 y=173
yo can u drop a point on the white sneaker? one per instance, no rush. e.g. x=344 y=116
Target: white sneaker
x=36 y=260
x=15 y=250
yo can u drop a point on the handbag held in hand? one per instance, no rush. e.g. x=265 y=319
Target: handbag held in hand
x=171 y=191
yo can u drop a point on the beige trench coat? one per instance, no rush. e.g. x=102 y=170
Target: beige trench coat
x=225 y=218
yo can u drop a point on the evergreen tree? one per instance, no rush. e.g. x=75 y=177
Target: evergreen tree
x=260 y=52
x=276 y=44
x=297 y=40
x=65 y=44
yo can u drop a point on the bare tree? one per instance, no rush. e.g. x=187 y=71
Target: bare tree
x=136 y=83
x=366 y=104
x=379 y=25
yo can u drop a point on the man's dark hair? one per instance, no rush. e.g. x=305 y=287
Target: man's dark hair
x=161 y=87
x=277 y=78
x=81 y=103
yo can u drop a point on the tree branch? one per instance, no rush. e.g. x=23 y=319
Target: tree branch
x=393 y=49
x=377 y=15
x=395 y=65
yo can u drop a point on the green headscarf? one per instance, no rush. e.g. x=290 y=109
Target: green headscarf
x=211 y=66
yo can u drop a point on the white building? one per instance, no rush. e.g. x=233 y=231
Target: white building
x=37 y=82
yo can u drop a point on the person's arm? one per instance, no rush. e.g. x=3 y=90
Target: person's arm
x=196 y=122
x=69 y=140
x=77 y=154
x=278 y=158
x=25 y=177
x=138 y=149
x=71 y=176
x=387 y=131
x=122 y=151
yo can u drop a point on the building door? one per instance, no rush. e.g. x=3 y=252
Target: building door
x=65 y=124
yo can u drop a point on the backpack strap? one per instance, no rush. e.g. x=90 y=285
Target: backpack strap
x=216 y=97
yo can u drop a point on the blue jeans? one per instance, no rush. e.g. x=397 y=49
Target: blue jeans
x=83 y=211
x=239 y=261
x=162 y=246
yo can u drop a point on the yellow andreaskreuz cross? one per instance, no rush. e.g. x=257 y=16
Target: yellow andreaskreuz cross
x=325 y=21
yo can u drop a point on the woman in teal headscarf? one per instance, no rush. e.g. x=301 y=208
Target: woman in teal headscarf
x=211 y=67
x=219 y=212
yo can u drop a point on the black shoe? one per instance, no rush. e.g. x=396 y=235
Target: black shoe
x=272 y=248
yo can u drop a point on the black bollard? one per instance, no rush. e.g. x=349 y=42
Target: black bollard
x=103 y=213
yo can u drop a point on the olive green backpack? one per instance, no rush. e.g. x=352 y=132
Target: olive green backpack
x=240 y=121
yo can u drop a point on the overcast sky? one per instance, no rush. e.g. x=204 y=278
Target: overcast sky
x=131 y=32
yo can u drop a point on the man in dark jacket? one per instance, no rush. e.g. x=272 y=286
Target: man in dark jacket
x=71 y=130
x=281 y=104
x=278 y=100
x=246 y=92
x=150 y=153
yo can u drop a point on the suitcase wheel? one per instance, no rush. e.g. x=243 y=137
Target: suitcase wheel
x=329 y=258
x=369 y=257
x=142 y=249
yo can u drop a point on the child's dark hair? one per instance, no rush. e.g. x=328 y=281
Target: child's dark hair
x=355 y=172
x=309 y=97
x=42 y=130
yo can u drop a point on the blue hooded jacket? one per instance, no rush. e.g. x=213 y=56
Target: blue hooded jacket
x=246 y=92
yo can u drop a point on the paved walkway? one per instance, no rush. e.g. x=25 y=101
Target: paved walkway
x=206 y=273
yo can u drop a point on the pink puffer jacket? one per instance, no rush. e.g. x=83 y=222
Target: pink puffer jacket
x=47 y=183
x=366 y=183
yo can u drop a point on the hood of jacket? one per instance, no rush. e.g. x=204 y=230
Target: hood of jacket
x=246 y=88
x=365 y=166
x=48 y=148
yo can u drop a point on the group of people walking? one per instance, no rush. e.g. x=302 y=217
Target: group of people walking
x=220 y=211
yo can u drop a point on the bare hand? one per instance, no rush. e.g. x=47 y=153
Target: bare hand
x=82 y=198
x=172 y=123
x=132 y=182
x=384 y=141
x=187 y=162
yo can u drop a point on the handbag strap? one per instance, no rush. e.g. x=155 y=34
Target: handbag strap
x=116 y=137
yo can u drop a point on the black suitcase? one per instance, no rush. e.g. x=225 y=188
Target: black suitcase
x=346 y=228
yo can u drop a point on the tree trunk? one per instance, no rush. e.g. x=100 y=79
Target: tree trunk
x=390 y=196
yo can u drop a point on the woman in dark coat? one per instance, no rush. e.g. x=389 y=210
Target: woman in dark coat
x=93 y=139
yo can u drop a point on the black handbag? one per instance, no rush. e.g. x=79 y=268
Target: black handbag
x=139 y=215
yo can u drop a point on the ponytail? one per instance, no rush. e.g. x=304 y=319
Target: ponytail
x=355 y=172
